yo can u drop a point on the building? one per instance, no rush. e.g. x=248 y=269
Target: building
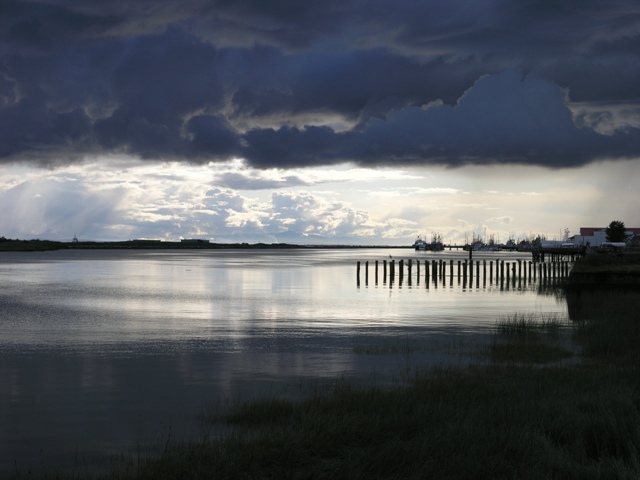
x=596 y=236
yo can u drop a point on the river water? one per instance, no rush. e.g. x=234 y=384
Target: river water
x=105 y=351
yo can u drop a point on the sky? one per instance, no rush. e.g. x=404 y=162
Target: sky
x=339 y=122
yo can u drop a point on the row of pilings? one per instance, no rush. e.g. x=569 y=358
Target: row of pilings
x=438 y=271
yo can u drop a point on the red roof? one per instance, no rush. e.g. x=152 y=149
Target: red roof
x=590 y=231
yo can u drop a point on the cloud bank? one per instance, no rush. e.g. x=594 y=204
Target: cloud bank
x=291 y=84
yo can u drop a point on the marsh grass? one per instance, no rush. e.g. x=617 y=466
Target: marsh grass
x=528 y=352
x=530 y=324
x=529 y=338
x=497 y=422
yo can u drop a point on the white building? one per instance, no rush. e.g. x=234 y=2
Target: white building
x=595 y=236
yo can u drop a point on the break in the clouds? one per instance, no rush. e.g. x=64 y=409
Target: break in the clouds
x=291 y=84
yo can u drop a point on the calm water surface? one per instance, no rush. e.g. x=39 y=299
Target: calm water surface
x=104 y=351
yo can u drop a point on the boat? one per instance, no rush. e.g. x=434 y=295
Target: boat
x=423 y=246
x=420 y=245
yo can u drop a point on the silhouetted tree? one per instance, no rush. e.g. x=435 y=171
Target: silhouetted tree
x=616 y=231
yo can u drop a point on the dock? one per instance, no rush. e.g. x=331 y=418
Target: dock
x=468 y=271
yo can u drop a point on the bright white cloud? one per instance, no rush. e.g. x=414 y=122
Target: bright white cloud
x=344 y=204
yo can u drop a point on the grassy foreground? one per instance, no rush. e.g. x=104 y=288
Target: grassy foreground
x=521 y=416
x=499 y=422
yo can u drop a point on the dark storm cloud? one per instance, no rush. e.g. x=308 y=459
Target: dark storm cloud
x=309 y=83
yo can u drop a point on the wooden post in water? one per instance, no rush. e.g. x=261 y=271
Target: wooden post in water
x=426 y=272
x=384 y=271
x=392 y=271
x=366 y=273
x=434 y=273
x=358 y=275
x=540 y=270
x=477 y=271
x=376 y=272
x=501 y=270
x=451 y=271
x=401 y=270
x=459 y=270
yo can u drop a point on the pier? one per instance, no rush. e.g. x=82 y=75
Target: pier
x=465 y=272
x=557 y=254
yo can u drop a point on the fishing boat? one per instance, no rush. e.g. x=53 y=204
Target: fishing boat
x=423 y=246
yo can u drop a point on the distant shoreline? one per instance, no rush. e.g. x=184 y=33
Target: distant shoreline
x=8 y=245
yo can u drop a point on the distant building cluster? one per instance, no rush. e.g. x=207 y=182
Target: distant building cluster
x=596 y=236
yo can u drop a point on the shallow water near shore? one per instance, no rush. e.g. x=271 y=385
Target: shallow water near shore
x=103 y=352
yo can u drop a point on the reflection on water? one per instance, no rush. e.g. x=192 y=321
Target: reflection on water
x=104 y=350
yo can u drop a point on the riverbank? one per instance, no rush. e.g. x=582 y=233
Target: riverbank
x=602 y=270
